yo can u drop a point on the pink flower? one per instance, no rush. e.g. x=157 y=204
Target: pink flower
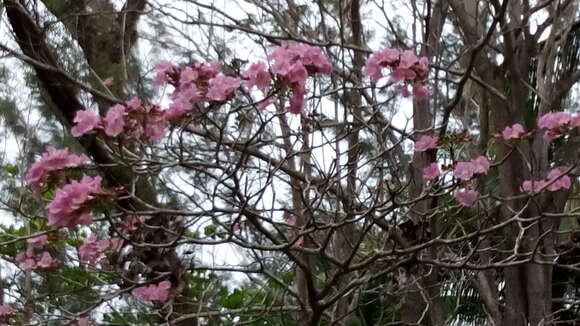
x=532 y=185
x=420 y=91
x=210 y=69
x=188 y=75
x=426 y=143
x=553 y=120
x=52 y=160
x=89 y=251
x=133 y=103
x=257 y=75
x=153 y=292
x=403 y=74
x=408 y=59
x=296 y=75
x=284 y=57
x=312 y=58
x=558 y=180
x=68 y=209
x=431 y=171
x=46 y=261
x=115 y=120
x=466 y=197
x=182 y=103
x=480 y=165
x=513 y=132
x=85 y=122
x=378 y=60
x=464 y=170
x=162 y=68
x=5 y=310
x=38 y=242
x=92 y=249
x=222 y=87
x=27 y=264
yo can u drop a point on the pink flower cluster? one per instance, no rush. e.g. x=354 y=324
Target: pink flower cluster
x=131 y=119
x=68 y=208
x=405 y=66
x=555 y=181
x=92 y=249
x=194 y=84
x=466 y=170
x=466 y=197
x=293 y=64
x=51 y=161
x=257 y=75
x=159 y=292
x=32 y=258
x=556 y=124
x=5 y=310
x=514 y=131
x=426 y=143
x=431 y=171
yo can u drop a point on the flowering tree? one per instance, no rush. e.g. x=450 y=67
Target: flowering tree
x=427 y=179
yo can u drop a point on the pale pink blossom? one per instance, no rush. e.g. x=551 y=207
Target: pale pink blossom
x=466 y=197
x=85 y=122
x=115 y=120
x=257 y=75
x=52 y=160
x=188 y=75
x=38 y=242
x=464 y=170
x=67 y=209
x=425 y=143
x=532 y=185
x=553 y=120
x=420 y=91
x=513 y=132
x=378 y=60
x=159 y=292
x=222 y=87
x=134 y=103
x=89 y=251
x=296 y=75
x=431 y=171
x=284 y=57
x=162 y=68
x=480 y=165
x=46 y=261
x=403 y=74
x=557 y=180
x=408 y=59
x=5 y=310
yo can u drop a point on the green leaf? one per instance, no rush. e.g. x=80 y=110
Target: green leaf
x=11 y=169
x=234 y=300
